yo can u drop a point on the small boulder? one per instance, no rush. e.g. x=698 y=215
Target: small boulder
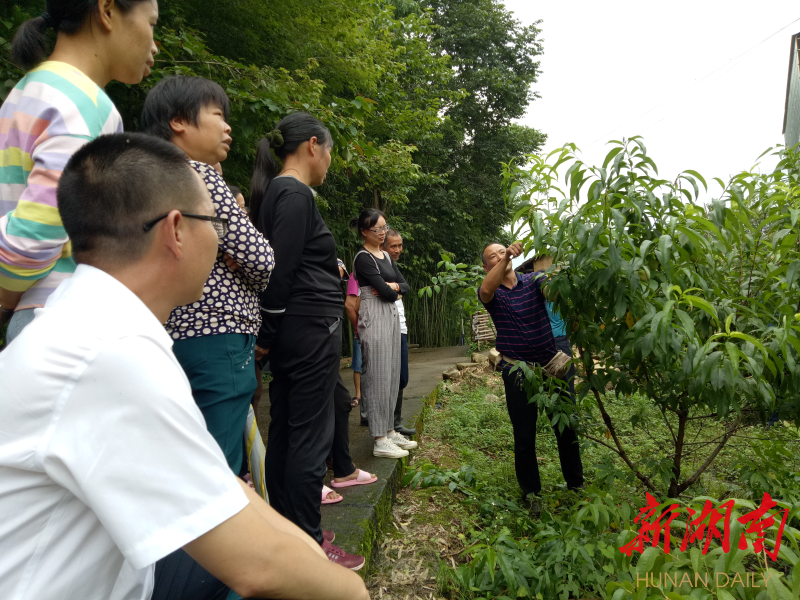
x=479 y=358
x=462 y=366
x=451 y=375
x=491 y=398
x=494 y=357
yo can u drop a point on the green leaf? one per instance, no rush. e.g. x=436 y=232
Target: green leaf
x=702 y=304
x=697 y=175
x=750 y=339
x=647 y=560
x=791 y=273
x=619 y=220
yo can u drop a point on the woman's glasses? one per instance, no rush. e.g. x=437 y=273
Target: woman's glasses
x=380 y=230
x=220 y=223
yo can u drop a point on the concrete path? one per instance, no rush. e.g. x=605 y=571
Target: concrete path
x=366 y=509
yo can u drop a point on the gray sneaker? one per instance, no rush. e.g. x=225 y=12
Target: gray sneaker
x=401 y=441
x=385 y=448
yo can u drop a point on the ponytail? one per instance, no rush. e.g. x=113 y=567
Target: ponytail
x=292 y=131
x=30 y=47
x=264 y=171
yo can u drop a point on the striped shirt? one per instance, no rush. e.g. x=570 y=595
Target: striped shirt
x=54 y=110
x=521 y=319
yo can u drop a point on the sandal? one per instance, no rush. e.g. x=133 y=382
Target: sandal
x=363 y=478
x=325 y=500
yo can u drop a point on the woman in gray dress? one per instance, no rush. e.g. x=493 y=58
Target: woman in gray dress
x=381 y=285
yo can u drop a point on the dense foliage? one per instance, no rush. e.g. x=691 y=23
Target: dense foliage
x=691 y=305
x=420 y=97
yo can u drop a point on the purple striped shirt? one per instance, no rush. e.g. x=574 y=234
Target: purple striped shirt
x=521 y=319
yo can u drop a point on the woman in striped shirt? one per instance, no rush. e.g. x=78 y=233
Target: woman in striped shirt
x=54 y=110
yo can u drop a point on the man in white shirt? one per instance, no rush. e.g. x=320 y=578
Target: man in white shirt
x=104 y=455
x=393 y=244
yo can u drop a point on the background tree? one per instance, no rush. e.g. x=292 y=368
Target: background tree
x=420 y=98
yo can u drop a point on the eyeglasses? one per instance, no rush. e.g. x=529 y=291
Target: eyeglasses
x=380 y=229
x=220 y=223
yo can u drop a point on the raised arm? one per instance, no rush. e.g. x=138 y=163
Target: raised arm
x=368 y=270
x=253 y=254
x=495 y=276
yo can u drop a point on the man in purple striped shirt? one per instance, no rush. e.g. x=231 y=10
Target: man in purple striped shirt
x=518 y=308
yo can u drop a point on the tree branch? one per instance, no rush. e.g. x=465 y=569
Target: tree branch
x=702 y=417
x=701 y=469
x=620 y=450
x=601 y=442
x=669 y=426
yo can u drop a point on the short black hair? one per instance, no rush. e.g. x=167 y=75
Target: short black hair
x=483 y=254
x=392 y=233
x=180 y=97
x=113 y=185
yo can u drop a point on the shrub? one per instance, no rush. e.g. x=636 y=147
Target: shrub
x=692 y=305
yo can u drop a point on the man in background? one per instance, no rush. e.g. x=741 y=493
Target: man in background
x=393 y=244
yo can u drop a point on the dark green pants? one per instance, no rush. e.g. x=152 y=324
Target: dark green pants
x=220 y=371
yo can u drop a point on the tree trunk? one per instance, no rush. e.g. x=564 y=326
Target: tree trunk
x=376 y=199
x=678 y=456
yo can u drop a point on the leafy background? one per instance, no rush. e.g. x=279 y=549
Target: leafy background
x=420 y=96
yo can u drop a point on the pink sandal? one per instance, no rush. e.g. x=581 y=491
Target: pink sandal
x=325 y=500
x=363 y=479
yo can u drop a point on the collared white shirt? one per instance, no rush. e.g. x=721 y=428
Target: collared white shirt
x=401 y=312
x=104 y=455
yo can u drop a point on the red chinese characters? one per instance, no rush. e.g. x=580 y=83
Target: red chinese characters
x=704 y=528
x=697 y=529
x=651 y=526
x=759 y=522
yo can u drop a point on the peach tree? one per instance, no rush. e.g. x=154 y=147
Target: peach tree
x=691 y=301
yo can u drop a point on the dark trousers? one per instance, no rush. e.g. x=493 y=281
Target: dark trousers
x=305 y=366
x=342 y=462
x=398 y=407
x=403 y=360
x=523 y=419
x=180 y=577
x=220 y=371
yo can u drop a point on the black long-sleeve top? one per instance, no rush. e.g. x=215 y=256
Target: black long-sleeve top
x=378 y=273
x=305 y=280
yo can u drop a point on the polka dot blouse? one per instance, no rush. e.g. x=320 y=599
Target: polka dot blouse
x=230 y=302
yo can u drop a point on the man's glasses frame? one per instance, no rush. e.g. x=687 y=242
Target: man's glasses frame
x=220 y=223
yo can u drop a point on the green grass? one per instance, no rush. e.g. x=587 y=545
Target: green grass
x=469 y=430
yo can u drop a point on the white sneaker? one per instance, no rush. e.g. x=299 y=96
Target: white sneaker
x=385 y=448
x=402 y=441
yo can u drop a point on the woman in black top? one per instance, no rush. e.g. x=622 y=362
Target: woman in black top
x=381 y=285
x=301 y=313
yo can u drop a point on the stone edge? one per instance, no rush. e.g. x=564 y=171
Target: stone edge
x=381 y=519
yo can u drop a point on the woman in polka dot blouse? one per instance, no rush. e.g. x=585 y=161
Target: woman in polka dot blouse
x=214 y=338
